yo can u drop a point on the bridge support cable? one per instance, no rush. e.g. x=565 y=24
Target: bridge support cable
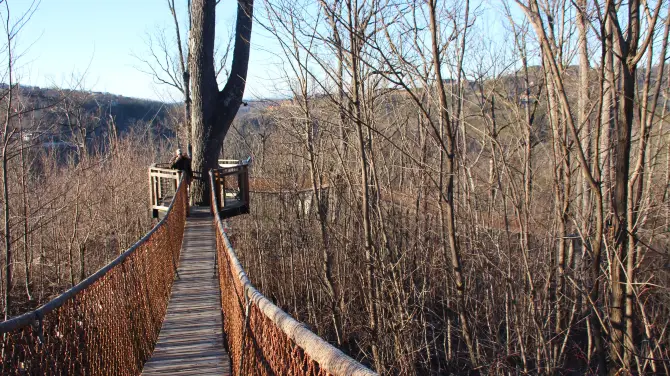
x=263 y=339
x=107 y=324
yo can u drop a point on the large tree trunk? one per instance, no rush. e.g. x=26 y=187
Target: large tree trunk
x=213 y=111
x=204 y=90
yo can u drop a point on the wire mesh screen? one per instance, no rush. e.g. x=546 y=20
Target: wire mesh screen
x=109 y=323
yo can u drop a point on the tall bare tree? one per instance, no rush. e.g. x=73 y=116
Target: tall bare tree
x=12 y=26
x=170 y=68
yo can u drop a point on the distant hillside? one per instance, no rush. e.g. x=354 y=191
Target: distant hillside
x=78 y=116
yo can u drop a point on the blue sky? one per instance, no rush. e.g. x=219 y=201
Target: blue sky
x=96 y=39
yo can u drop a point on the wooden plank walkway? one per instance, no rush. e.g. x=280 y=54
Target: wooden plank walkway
x=191 y=339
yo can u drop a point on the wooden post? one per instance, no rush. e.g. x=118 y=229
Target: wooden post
x=212 y=178
x=246 y=185
x=222 y=191
x=219 y=188
x=151 y=189
x=159 y=193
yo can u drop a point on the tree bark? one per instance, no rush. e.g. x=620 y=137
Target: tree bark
x=622 y=254
x=455 y=255
x=213 y=111
x=5 y=194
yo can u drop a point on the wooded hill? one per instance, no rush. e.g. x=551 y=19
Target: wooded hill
x=67 y=118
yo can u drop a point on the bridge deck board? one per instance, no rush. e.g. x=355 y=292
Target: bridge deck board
x=191 y=339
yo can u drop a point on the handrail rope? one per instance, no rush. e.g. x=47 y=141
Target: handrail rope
x=29 y=317
x=329 y=359
x=107 y=323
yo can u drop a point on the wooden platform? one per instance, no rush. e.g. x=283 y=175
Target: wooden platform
x=191 y=339
x=234 y=207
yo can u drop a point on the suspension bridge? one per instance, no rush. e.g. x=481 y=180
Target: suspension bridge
x=176 y=302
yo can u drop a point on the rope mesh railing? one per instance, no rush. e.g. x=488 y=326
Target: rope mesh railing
x=263 y=339
x=107 y=324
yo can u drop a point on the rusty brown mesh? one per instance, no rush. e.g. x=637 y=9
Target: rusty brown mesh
x=109 y=323
x=263 y=339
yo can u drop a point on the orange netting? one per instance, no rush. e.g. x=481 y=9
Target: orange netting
x=109 y=323
x=263 y=339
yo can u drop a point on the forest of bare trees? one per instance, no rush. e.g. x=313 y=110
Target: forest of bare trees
x=456 y=192
x=74 y=185
x=447 y=187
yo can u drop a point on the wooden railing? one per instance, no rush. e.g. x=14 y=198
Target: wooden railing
x=263 y=339
x=231 y=187
x=163 y=182
x=107 y=324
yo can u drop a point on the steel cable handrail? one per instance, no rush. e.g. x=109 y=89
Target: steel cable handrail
x=107 y=323
x=263 y=339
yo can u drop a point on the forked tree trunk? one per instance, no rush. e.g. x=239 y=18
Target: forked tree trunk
x=213 y=111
